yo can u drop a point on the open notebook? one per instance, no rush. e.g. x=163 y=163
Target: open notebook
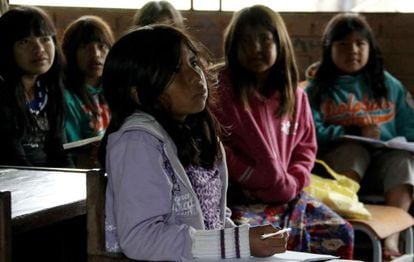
x=396 y=143
x=83 y=142
x=288 y=256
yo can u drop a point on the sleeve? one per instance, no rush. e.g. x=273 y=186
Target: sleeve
x=304 y=153
x=251 y=161
x=218 y=244
x=404 y=118
x=11 y=152
x=325 y=133
x=302 y=158
x=59 y=156
x=138 y=179
x=72 y=118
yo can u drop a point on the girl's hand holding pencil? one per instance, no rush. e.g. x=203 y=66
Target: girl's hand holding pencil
x=279 y=232
x=267 y=246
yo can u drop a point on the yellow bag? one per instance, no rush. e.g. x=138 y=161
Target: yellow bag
x=338 y=192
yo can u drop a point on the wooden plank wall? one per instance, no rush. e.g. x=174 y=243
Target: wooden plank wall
x=394 y=32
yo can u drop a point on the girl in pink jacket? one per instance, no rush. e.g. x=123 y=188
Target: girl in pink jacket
x=271 y=143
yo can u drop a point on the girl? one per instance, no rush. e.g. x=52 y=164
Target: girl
x=167 y=176
x=352 y=94
x=271 y=142
x=31 y=100
x=86 y=42
x=159 y=12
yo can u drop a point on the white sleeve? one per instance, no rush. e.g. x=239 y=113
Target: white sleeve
x=218 y=244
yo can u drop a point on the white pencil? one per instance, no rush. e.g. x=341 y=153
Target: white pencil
x=287 y=229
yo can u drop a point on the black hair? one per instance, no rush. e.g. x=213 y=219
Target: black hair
x=337 y=29
x=153 y=11
x=82 y=31
x=283 y=75
x=147 y=59
x=16 y=24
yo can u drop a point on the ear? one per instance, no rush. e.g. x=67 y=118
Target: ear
x=134 y=94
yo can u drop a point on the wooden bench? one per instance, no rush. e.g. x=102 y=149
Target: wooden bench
x=5 y=227
x=385 y=221
x=95 y=217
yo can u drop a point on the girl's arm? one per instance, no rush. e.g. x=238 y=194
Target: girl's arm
x=12 y=152
x=147 y=228
x=73 y=118
x=404 y=109
x=146 y=224
x=304 y=153
x=252 y=161
x=300 y=160
x=325 y=133
x=142 y=200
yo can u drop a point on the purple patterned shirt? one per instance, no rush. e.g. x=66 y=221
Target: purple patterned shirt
x=207 y=185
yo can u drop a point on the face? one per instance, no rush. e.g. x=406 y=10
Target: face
x=187 y=93
x=34 y=55
x=350 y=54
x=256 y=50
x=91 y=58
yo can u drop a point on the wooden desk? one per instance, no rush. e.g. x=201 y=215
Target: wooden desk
x=41 y=197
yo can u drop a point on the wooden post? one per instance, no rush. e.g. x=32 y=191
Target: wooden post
x=5 y=227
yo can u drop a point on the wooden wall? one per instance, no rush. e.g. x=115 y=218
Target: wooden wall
x=394 y=32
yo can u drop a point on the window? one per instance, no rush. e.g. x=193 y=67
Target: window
x=232 y=5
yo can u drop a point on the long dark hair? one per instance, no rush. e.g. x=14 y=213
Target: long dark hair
x=153 y=11
x=283 y=76
x=147 y=59
x=82 y=31
x=337 y=29
x=16 y=24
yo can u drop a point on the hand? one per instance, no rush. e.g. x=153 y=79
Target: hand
x=371 y=131
x=269 y=246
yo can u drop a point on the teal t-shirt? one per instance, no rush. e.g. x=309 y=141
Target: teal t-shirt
x=350 y=102
x=80 y=122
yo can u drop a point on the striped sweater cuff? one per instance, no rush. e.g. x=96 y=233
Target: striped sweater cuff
x=219 y=244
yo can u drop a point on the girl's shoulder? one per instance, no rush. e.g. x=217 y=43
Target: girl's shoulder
x=71 y=99
x=224 y=76
x=391 y=79
x=225 y=86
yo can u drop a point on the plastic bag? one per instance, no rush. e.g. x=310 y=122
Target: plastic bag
x=338 y=192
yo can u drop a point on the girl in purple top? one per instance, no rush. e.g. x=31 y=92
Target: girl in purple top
x=167 y=175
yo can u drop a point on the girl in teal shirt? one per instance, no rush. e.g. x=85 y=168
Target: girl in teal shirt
x=353 y=94
x=86 y=43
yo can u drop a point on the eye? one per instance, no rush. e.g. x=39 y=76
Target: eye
x=24 y=41
x=194 y=62
x=362 y=43
x=103 y=46
x=266 y=38
x=45 y=39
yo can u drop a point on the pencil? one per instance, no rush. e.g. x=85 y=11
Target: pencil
x=287 y=229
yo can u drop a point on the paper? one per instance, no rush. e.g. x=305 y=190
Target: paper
x=288 y=256
x=82 y=142
x=395 y=143
x=301 y=256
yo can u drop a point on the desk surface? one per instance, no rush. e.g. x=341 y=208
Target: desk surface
x=41 y=196
x=288 y=256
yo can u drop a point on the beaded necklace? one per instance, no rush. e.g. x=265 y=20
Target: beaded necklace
x=39 y=101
